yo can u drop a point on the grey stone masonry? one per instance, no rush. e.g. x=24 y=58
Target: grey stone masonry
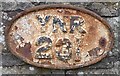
x=110 y=11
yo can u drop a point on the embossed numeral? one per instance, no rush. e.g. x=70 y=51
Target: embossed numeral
x=63 y=49
x=45 y=44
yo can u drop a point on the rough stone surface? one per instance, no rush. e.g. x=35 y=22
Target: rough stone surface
x=15 y=5
x=105 y=9
x=109 y=65
x=10 y=60
x=29 y=69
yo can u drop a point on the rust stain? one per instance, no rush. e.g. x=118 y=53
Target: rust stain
x=25 y=51
x=102 y=42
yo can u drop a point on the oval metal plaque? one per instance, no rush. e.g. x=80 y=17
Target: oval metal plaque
x=59 y=37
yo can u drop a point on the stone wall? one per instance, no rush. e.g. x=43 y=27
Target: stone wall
x=110 y=65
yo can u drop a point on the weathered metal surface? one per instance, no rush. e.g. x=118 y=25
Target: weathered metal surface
x=59 y=37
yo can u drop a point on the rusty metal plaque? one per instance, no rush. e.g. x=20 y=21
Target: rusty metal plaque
x=59 y=36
